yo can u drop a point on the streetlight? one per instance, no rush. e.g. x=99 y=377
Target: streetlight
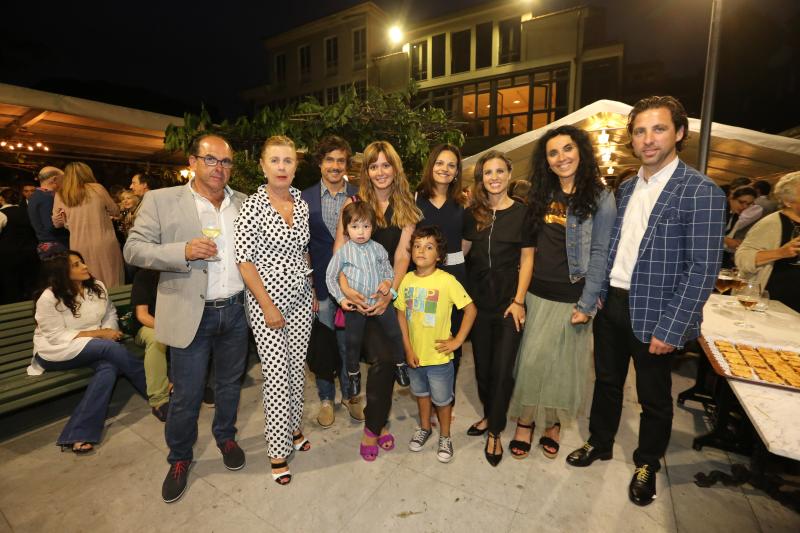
x=395 y=35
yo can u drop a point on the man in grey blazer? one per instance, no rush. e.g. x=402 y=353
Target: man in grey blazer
x=199 y=310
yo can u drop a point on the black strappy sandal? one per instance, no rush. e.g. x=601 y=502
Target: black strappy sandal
x=494 y=457
x=547 y=442
x=519 y=448
x=80 y=450
x=300 y=443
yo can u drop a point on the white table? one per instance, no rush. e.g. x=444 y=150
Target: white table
x=775 y=413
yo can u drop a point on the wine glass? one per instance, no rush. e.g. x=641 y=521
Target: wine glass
x=211 y=228
x=748 y=294
x=796 y=234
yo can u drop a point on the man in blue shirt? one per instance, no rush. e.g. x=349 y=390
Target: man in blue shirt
x=325 y=200
x=52 y=240
x=664 y=255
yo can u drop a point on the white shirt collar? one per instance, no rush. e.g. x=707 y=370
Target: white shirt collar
x=228 y=191
x=663 y=174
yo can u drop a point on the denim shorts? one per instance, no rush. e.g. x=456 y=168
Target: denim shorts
x=435 y=381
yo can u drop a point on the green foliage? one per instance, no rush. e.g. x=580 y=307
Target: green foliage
x=379 y=116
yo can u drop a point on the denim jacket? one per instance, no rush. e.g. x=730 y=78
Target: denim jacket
x=587 y=249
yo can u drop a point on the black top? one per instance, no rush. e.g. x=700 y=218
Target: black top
x=17 y=239
x=388 y=237
x=144 y=290
x=784 y=282
x=450 y=220
x=551 y=275
x=493 y=259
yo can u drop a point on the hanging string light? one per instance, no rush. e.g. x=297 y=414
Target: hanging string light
x=15 y=144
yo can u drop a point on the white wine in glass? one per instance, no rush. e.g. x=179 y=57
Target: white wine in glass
x=211 y=229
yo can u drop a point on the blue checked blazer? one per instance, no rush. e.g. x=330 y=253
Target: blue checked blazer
x=679 y=257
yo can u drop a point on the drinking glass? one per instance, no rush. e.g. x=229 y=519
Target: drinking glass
x=212 y=229
x=796 y=234
x=725 y=280
x=748 y=294
x=763 y=303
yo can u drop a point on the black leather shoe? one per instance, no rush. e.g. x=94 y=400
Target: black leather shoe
x=494 y=457
x=401 y=375
x=642 y=490
x=587 y=454
x=474 y=431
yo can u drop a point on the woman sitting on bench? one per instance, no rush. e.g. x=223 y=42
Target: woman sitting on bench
x=76 y=326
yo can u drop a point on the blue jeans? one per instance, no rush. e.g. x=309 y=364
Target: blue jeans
x=109 y=359
x=327 y=389
x=223 y=333
x=435 y=381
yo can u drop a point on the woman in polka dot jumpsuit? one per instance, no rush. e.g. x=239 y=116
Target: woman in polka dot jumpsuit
x=272 y=236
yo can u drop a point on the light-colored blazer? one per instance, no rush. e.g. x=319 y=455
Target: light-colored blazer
x=764 y=235
x=166 y=221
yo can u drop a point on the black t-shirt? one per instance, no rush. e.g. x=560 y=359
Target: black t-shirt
x=493 y=259
x=388 y=237
x=551 y=273
x=450 y=220
x=784 y=282
x=145 y=290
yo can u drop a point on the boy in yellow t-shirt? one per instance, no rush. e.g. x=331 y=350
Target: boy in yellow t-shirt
x=426 y=298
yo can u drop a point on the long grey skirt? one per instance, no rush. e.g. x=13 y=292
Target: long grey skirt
x=552 y=364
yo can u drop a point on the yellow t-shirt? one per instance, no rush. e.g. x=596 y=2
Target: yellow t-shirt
x=428 y=302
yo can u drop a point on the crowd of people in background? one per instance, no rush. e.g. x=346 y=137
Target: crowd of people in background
x=531 y=270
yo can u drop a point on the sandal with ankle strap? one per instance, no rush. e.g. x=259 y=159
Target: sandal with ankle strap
x=300 y=443
x=519 y=448
x=282 y=478
x=547 y=442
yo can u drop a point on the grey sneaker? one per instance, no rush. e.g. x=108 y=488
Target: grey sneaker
x=445 y=451
x=419 y=439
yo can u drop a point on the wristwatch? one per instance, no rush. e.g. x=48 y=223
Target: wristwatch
x=394 y=293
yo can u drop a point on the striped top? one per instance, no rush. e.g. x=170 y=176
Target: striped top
x=364 y=265
x=332 y=204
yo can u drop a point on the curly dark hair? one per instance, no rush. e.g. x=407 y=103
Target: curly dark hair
x=330 y=143
x=679 y=117
x=545 y=184
x=55 y=276
x=438 y=237
x=426 y=185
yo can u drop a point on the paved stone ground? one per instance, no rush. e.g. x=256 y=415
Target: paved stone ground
x=118 y=488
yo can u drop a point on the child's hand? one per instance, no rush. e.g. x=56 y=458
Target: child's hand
x=412 y=359
x=384 y=287
x=447 y=345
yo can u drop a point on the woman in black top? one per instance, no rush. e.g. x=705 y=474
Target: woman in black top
x=499 y=267
x=441 y=202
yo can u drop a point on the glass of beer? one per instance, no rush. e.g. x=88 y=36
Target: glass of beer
x=748 y=294
x=725 y=280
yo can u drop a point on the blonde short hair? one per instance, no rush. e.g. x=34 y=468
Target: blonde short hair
x=786 y=188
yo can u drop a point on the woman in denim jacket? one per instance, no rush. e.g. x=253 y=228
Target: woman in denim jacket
x=571 y=216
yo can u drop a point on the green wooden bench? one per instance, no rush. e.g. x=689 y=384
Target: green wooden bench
x=17 y=388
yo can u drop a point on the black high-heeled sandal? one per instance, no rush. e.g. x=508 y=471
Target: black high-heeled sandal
x=547 y=442
x=300 y=443
x=494 y=457
x=523 y=448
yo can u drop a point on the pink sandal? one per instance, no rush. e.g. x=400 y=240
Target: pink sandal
x=369 y=452
x=384 y=439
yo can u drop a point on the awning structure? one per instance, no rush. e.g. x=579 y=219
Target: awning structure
x=734 y=151
x=74 y=128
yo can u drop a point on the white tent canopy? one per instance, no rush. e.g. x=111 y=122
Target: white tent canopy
x=734 y=151
x=78 y=128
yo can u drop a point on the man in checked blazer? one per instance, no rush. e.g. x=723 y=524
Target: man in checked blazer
x=665 y=252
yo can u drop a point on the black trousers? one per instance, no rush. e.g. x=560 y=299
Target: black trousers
x=380 y=376
x=494 y=345
x=354 y=336
x=614 y=345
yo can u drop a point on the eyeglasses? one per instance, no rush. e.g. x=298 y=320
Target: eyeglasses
x=212 y=161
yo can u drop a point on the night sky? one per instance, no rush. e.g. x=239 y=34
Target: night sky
x=171 y=56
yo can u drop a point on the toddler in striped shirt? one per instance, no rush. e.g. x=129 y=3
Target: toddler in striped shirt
x=366 y=267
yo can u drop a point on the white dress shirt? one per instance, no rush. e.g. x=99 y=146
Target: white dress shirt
x=224 y=279
x=634 y=223
x=54 y=338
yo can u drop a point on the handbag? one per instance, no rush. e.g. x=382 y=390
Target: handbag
x=322 y=355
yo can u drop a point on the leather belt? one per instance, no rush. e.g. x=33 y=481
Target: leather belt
x=237 y=298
